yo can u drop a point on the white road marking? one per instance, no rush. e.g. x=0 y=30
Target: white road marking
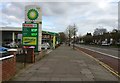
x=101 y=53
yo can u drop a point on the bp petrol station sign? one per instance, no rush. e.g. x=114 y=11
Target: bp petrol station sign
x=30 y=35
x=32 y=14
x=32 y=29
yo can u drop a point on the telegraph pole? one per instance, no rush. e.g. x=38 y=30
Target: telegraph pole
x=74 y=37
x=69 y=35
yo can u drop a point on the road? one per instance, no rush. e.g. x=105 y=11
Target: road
x=108 y=55
x=106 y=50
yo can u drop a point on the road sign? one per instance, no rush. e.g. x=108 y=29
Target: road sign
x=29 y=41
x=29 y=25
x=30 y=35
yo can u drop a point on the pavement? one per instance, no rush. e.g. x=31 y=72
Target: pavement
x=65 y=64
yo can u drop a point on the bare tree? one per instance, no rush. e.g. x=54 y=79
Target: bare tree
x=71 y=32
x=62 y=37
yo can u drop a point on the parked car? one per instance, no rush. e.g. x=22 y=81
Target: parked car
x=45 y=46
x=3 y=51
x=105 y=44
x=11 y=45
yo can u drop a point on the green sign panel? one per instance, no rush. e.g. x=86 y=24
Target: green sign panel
x=30 y=35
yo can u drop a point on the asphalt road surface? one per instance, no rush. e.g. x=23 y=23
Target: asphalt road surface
x=103 y=49
x=107 y=55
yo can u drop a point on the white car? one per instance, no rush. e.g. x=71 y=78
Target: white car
x=45 y=46
x=105 y=44
x=12 y=44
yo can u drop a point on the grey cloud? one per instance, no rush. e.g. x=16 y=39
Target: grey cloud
x=85 y=14
x=54 y=9
x=4 y=23
x=13 y=10
x=110 y=23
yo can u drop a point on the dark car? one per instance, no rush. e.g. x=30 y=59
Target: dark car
x=3 y=52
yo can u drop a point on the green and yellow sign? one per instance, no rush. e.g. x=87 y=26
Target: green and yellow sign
x=29 y=40
x=30 y=35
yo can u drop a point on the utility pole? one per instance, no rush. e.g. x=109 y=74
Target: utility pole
x=74 y=37
x=69 y=35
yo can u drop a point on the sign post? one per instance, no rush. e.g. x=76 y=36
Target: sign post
x=30 y=35
x=32 y=28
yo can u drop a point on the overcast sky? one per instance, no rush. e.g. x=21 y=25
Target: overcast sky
x=56 y=16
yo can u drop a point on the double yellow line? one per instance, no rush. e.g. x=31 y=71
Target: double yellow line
x=104 y=65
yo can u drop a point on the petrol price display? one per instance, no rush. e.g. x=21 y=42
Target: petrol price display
x=30 y=34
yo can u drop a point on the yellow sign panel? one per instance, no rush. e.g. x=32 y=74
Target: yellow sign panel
x=29 y=40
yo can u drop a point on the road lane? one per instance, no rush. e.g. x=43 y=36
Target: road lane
x=109 y=51
x=97 y=53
